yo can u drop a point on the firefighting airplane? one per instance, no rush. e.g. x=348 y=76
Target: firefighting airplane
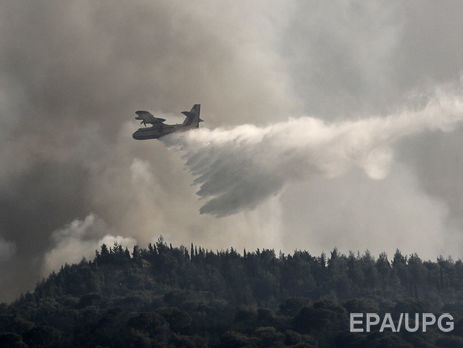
x=159 y=129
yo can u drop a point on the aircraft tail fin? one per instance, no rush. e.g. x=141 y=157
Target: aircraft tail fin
x=192 y=116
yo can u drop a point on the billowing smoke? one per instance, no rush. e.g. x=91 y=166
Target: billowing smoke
x=79 y=240
x=238 y=168
x=7 y=249
x=73 y=73
x=71 y=77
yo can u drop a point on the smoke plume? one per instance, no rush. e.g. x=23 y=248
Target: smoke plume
x=79 y=240
x=73 y=73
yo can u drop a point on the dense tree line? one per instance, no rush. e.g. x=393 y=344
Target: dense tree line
x=193 y=297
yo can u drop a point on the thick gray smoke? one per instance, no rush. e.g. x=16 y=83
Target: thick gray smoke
x=240 y=167
x=73 y=73
x=80 y=239
x=71 y=77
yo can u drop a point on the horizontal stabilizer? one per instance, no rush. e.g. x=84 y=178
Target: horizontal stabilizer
x=192 y=116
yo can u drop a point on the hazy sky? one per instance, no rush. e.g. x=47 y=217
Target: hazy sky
x=73 y=73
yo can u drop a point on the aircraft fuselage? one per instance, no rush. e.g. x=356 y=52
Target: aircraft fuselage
x=156 y=132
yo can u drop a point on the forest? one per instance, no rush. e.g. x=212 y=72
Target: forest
x=165 y=296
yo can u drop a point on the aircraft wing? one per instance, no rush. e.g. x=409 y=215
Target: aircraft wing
x=147 y=117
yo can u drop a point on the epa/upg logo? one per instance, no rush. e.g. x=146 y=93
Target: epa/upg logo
x=366 y=322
